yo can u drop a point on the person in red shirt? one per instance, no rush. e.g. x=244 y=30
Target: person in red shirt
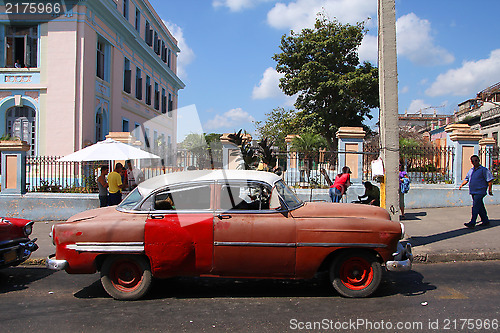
x=342 y=182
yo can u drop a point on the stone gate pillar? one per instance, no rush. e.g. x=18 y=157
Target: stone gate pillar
x=466 y=143
x=231 y=154
x=485 y=148
x=351 y=140
x=13 y=157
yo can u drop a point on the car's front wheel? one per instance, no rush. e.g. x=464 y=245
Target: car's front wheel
x=126 y=277
x=356 y=274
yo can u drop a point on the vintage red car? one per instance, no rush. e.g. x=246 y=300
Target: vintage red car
x=15 y=245
x=228 y=223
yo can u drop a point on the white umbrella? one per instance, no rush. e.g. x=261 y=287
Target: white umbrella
x=108 y=150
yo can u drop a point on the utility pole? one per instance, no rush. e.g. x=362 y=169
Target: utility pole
x=389 y=124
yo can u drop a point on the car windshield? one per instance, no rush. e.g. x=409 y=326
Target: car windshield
x=287 y=194
x=131 y=200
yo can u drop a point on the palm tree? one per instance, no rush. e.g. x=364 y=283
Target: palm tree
x=308 y=144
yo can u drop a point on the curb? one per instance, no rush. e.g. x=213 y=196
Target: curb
x=432 y=258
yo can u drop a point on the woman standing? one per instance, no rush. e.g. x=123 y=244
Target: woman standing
x=342 y=182
x=102 y=184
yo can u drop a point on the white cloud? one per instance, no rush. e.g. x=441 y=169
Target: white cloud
x=237 y=5
x=404 y=90
x=186 y=56
x=417 y=44
x=229 y=120
x=472 y=77
x=418 y=105
x=368 y=50
x=268 y=86
x=300 y=14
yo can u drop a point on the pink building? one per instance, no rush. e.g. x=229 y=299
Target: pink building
x=69 y=77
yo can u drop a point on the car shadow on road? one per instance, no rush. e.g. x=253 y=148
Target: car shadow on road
x=414 y=216
x=424 y=240
x=407 y=283
x=20 y=277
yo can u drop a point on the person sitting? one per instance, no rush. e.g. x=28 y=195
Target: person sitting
x=372 y=194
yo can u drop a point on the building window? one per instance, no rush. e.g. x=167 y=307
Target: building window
x=169 y=58
x=127 y=77
x=21 y=123
x=102 y=60
x=170 y=105
x=163 y=52
x=99 y=134
x=163 y=101
x=137 y=20
x=125 y=9
x=495 y=136
x=157 y=96
x=20 y=46
x=148 y=34
x=148 y=90
x=138 y=83
x=125 y=125
x=146 y=138
x=155 y=46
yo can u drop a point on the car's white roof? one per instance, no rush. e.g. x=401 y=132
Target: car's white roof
x=169 y=179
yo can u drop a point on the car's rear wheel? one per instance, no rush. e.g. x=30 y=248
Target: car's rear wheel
x=356 y=274
x=126 y=277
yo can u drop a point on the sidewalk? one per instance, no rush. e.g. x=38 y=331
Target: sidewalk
x=436 y=234
x=439 y=235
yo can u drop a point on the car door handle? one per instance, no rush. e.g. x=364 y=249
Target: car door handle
x=224 y=217
x=157 y=217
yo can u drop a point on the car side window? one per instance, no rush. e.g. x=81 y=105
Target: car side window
x=185 y=198
x=248 y=196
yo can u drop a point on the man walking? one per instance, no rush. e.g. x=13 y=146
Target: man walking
x=115 y=185
x=479 y=179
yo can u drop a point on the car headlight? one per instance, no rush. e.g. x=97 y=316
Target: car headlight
x=28 y=228
x=402 y=230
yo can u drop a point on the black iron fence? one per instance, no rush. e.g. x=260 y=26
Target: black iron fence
x=491 y=157
x=430 y=165
x=299 y=169
x=47 y=174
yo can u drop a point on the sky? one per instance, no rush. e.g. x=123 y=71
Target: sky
x=448 y=51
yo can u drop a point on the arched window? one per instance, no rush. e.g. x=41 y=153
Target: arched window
x=21 y=123
x=99 y=126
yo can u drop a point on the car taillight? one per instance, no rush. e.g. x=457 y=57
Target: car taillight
x=402 y=230
x=51 y=235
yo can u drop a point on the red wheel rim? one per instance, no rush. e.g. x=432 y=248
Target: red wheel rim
x=125 y=275
x=356 y=273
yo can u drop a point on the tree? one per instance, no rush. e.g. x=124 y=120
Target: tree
x=279 y=123
x=309 y=145
x=322 y=66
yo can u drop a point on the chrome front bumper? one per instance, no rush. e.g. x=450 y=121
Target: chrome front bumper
x=55 y=264
x=403 y=259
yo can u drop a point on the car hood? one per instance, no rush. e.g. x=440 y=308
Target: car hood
x=103 y=214
x=327 y=209
x=11 y=228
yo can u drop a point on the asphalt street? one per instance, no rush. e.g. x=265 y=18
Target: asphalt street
x=451 y=297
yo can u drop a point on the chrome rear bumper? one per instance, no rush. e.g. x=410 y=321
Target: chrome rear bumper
x=55 y=264
x=403 y=259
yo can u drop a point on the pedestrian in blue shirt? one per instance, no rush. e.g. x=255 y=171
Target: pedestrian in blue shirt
x=480 y=179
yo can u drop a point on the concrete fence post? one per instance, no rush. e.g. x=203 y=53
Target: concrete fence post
x=466 y=143
x=350 y=147
x=231 y=154
x=485 y=149
x=13 y=158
